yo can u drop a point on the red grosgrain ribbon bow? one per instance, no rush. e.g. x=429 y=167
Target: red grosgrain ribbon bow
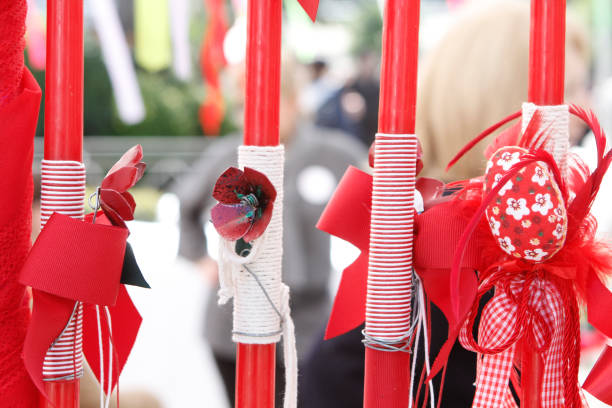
x=437 y=230
x=75 y=261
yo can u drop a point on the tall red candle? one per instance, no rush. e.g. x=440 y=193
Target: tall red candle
x=64 y=124
x=546 y=87
x=387 y=374
x=256 y=363
x=547 y=52
x=64 y=81
x=263 y=61
x=398 y=75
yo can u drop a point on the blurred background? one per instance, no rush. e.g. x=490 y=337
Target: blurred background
x=168 y=74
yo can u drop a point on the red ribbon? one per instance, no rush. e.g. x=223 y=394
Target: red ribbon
x=438 y=230
x=77 y=261
x=526 y=305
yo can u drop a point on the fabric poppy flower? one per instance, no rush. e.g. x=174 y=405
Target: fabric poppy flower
x=246 y=200
x=116 y=202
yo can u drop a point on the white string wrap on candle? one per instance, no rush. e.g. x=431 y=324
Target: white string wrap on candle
x=63 y=191
x=555 y=121
x=261 y=300
x=389 y=293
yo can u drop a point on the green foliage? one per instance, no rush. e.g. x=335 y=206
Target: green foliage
x=171 y=105
x=367 y=30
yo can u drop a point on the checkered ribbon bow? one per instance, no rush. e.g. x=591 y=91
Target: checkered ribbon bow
x=525 y=304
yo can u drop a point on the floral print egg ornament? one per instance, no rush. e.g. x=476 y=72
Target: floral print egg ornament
x=527 y=217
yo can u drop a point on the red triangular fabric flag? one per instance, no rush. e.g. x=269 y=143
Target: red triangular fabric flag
x=125 y=323
x=311 y=7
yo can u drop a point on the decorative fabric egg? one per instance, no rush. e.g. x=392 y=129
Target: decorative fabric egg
x=528 y=216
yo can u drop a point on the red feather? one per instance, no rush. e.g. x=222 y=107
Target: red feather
x=480 y=137
x=591 y=120
x=581 y=205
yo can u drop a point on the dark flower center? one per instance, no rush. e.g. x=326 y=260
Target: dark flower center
x=250 y=199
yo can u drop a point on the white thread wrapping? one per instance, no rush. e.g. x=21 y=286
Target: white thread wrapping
x=261 y=300
x=389 y=293
x=555 y=120
x=255 y=321
x=63 y=191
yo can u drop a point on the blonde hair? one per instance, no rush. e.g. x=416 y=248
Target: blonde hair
x=475 y=76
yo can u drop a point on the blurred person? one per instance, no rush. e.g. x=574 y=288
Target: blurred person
x=476 y=75
x=319 y=88
x=354 y=107
x=315 y=160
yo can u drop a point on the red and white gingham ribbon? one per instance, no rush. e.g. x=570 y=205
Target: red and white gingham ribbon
x=63 y=191
x=388 y=309
x=497 y=326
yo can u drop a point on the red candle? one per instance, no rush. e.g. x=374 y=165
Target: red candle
x=64 y=124
x=398 y=75
x=256 y=363
x=64 y=81
x=387 y=374
x=547 y=52
x=64 y=394
x=263 y=62
x=546 y=87
x=255 y=375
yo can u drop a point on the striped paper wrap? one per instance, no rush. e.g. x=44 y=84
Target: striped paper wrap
x=63 y=191
x=389 y=293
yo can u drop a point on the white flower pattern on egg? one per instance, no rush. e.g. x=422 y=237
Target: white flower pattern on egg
x=535 y=254
x=539 y=176
x=542 y=204
x=508 y=159
x=505 y=188
x=494 y=224
x=517 y=208
x=505 y=243
x=559 y=231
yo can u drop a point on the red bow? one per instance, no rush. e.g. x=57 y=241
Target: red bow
x=75 y=261
x=437 y=232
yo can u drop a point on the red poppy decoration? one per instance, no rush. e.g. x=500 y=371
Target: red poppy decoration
x=246 y=200
x=116 y=202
